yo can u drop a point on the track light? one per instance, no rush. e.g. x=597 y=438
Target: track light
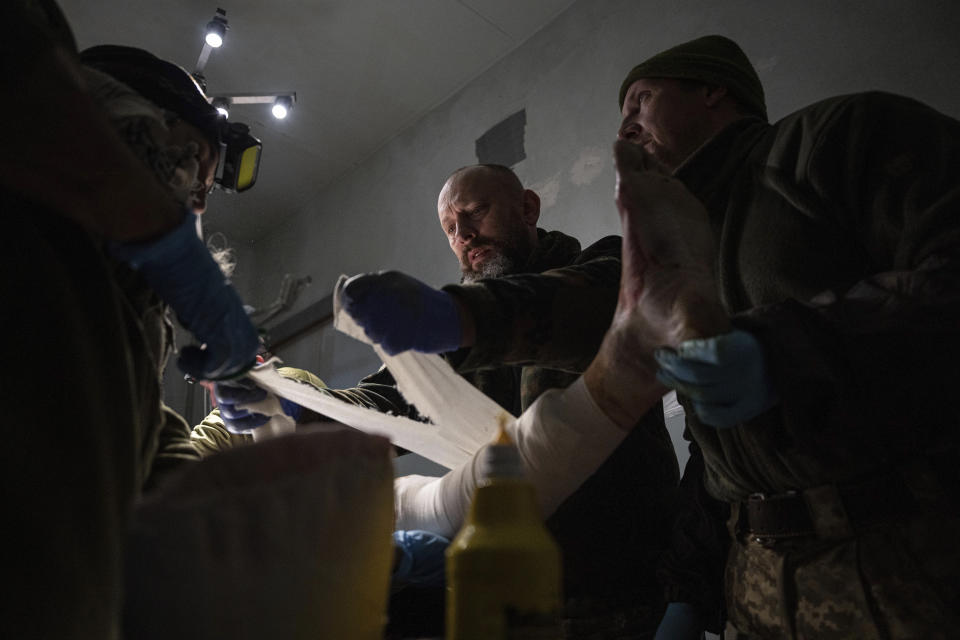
x=217 y=29
x=222 y=105
x=281 y=107
x=281 y=103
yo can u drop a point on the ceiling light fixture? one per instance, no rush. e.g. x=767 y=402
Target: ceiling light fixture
x=222 y=105
x=217 y=29
x=281 y=107
x=282 y=101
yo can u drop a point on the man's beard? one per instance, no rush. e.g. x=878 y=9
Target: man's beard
x=506 y=259
x=497 y=266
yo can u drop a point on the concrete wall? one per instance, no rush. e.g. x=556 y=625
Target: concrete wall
x=382 y=214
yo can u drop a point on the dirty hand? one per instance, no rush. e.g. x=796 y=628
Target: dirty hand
x=669 y=252
x=668 y=290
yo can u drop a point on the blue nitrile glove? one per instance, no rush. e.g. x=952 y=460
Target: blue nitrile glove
x=179 y=267
x=244 y=406
x=725 y=377
x=421 y=559
x=680 y=622
x=400 y=313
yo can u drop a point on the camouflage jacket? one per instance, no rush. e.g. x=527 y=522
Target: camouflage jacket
x=539 y=329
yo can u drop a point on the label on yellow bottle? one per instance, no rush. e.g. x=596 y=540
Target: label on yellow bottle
x=502 y=592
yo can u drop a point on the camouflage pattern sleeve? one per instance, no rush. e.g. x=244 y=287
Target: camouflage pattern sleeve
x=554 y=318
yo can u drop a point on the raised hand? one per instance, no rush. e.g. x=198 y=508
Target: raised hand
x=668 y=290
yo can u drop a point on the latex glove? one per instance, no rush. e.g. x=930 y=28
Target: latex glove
x=420 y=558
x=725 y=377
x=680 y=622
x=244 y=406
x=400 y=313
x=179 y=267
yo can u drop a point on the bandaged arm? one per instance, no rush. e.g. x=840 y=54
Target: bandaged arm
x=563 y=438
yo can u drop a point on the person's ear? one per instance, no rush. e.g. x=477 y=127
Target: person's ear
x=713 y=94
x=531 y=207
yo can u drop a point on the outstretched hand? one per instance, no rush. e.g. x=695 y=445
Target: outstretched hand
x=399 y=312
x=244 y=406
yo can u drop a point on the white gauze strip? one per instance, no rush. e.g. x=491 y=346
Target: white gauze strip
x=464 y=419
x=422 y=438
x=464 y=415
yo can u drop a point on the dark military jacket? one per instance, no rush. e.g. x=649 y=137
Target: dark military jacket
x=838 y=234
x=539 y=329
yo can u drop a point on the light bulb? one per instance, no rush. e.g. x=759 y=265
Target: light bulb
x=281 y=107
x=222 y=105
x=215 y=40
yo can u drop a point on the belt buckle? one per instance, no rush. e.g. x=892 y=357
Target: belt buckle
x=759 y=495
x=768 y=542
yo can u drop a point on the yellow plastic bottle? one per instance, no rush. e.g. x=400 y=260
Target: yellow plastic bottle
x=503 y=568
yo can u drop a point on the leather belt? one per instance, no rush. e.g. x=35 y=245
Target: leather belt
x=881 y=498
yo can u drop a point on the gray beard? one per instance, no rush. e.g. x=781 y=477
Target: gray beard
x=496 y=267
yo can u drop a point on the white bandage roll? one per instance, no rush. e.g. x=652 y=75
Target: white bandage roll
x=563 y=438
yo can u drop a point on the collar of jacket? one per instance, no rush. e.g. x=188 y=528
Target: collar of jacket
x=554 y=249
x=708 y=172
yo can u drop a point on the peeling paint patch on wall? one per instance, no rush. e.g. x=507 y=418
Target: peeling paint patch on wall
x=589 y=165
x=548 y=190
x=766 y=64
x=503 y=143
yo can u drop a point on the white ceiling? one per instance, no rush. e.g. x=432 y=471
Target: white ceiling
x=363 y=70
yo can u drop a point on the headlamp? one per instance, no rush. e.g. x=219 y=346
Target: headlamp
x=239 y=157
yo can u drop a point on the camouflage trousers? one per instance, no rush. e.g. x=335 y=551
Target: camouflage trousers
x=895 y=579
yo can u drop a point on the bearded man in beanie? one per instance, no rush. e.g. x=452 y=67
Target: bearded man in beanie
x=105 y=168
x=808 y=311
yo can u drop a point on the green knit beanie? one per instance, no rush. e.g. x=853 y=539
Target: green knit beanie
x=711 y=59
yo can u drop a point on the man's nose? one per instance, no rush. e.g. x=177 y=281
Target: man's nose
x=464 y=232
x=629 y=130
